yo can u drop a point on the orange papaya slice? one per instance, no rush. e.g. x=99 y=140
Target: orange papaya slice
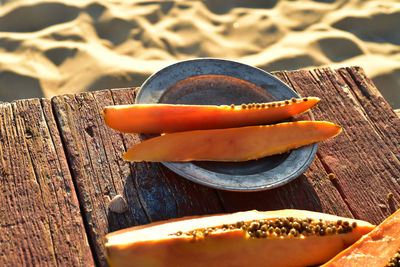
x=378 y=248
x=232 y=144
x=166 y=118
x=252 y=238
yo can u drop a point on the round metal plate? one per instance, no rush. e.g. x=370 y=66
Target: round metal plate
x=224 y=82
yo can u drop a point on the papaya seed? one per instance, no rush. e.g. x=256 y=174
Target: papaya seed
x=285 y=222
x=293 y=232
x=322 y=231
x=263 y=234
x=254 y=226
x=258 y=233
x=296 y=225
x=328 y=230
x=239 y=224
x=279 y=227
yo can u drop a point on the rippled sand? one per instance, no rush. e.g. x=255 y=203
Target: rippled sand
x=55 y=47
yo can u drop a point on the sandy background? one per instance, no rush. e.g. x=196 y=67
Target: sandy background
x=55 y=47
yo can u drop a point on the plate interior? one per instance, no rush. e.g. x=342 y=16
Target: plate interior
x=208 y=81
x=223 y=90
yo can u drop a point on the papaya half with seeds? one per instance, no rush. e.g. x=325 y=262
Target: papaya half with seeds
x=166 y=118
x=378 y=248
x=232 y=144
x=252 y=238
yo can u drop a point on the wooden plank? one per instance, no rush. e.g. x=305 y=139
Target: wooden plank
x=189 y=198
x=363 y=162
x=378 y=111
x=154 y=193
x=39 y=211
x=313 y=190
x=94 y=152
x=310 y=191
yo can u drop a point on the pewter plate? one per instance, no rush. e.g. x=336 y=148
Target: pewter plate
x=223 y=82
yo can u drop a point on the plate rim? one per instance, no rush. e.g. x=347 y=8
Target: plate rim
x=179 y=168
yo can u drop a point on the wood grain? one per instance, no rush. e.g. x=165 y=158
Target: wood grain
x=61 y=166
x=94 y=151
x=156 y=193
x=362 y=158
x=40 y=218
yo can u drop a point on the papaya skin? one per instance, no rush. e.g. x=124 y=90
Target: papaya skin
x=166 y=118
x=373 y=249
x=233 y=144
x=156 y=245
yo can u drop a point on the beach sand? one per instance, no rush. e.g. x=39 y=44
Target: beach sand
x=54 y=47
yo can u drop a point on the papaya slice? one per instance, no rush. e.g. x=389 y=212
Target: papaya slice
x=233 y=144
x=166 y=118
x=378 y=248
x=252 y=238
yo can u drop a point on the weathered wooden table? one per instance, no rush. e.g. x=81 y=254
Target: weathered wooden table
x=60 y=165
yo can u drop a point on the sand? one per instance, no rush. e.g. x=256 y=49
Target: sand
x=54 y=47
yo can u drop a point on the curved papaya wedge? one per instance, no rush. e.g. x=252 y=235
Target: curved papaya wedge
x=378 y=248
x=166 y=118
x=233 y=144
x=273 y=238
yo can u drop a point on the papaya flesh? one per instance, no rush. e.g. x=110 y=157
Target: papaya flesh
x=251 y=238
x=378 y=248
x=165 y=118
x=232 y=144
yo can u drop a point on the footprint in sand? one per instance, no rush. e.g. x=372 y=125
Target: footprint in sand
x=18 y=86
x=37 y=17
